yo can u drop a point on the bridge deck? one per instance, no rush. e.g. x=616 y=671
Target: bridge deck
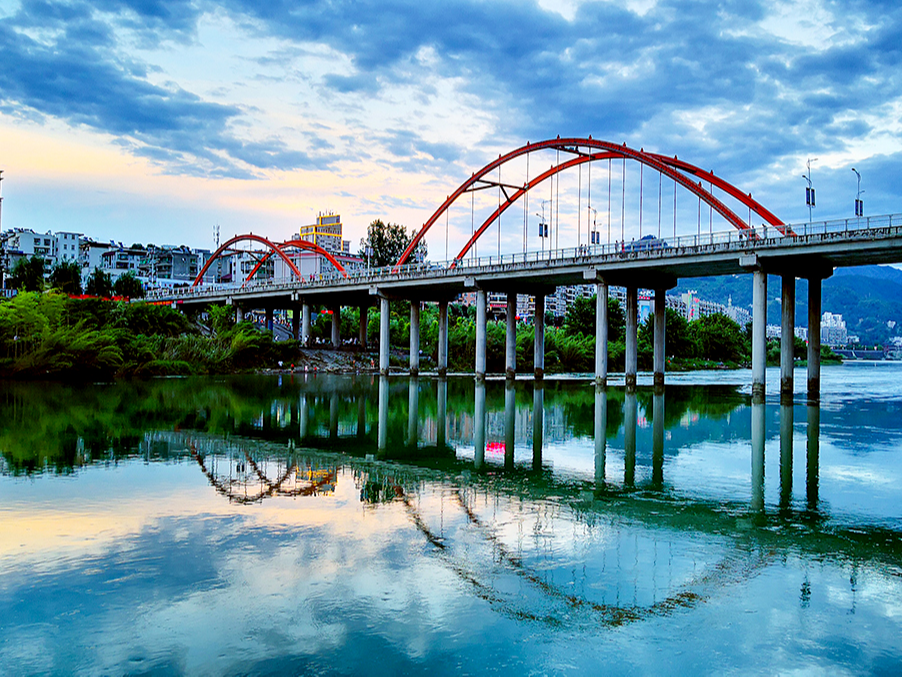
x=810 y=249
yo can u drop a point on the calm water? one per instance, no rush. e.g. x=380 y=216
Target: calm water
x=341 y=525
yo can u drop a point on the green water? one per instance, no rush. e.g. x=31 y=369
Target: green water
x=342 y=525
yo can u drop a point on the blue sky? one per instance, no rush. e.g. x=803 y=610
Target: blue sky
x=153 y=121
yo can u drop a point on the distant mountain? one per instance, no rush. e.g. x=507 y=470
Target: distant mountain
x=868 y=297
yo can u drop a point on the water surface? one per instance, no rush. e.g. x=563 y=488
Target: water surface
x=336 y=525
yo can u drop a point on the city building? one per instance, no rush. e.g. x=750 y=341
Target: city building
x=833 y=330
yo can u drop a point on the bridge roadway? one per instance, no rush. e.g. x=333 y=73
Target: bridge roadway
x=810 y=251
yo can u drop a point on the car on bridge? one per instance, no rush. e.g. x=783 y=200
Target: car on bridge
x=644 y=244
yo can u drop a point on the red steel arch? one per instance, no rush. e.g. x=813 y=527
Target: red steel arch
x=300 y=244
x=661 y=163
x=239 y=238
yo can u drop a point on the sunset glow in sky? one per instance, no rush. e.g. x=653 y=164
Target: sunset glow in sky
x=153 y=120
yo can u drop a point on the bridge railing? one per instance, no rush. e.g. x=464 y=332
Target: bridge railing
x=649 y=247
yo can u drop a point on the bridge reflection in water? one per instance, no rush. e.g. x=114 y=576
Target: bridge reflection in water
x=493 y=484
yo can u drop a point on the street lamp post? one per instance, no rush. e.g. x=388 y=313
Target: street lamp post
x=859 y=205
x=809 y=191
x=593 y=235
x=543 y=225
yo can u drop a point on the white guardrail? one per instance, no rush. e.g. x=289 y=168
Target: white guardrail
x=649 y=247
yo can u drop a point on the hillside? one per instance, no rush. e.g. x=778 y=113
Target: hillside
x=868 y=297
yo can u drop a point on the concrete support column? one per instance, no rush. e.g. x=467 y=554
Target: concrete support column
x=787 y=336
x=539 y=342
x=414 y=338
x=296 y=323
x=269 y=319
x=361 y=335
x=814 y=338
x=443 y=338
x=383 y=336
x=631 y=353
x=511 y=342
x=601 y=334
x=239 y=314
x=305 y=324
x=336 y=327
x=759 y=333
x=480 y=333
x=659 y=337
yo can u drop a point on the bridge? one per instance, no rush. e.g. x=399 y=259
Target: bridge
x=652 y=261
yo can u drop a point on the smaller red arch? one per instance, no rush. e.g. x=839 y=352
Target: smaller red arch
x=239 y=238
x=300 y=244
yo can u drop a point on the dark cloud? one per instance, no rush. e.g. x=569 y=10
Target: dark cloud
x=651 y=79
x=77 y=77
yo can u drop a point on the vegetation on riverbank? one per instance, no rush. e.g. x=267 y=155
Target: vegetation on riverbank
x=50 y=335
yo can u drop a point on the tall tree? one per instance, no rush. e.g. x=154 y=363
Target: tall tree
x=99 y=284
x=28 y=274
x=580 y=318
x=129 y=286
x=385 y=242
x=66 y=276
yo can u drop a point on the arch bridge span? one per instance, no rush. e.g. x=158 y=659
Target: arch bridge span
x=586 y=150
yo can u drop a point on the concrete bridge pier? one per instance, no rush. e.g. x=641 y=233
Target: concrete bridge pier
x=787 y=336
x=660 y=326
x=631 y=356
x=539 y=340
x=759 y=333
x=268 y=315
x=601 y=334
x=480 y=333
x=295 y=323
x=239 y=314
x=361 y=333
x=511 y=342
x=414 y=338
x=336 y=327
x=443 y=338
x=814 y=332
x=384 y=339
x=305 y=324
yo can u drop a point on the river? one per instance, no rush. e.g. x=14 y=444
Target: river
x=316 y=524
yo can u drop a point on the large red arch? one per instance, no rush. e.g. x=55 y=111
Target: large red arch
x=661 y=163
x=300 y=244
x=240 y=238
